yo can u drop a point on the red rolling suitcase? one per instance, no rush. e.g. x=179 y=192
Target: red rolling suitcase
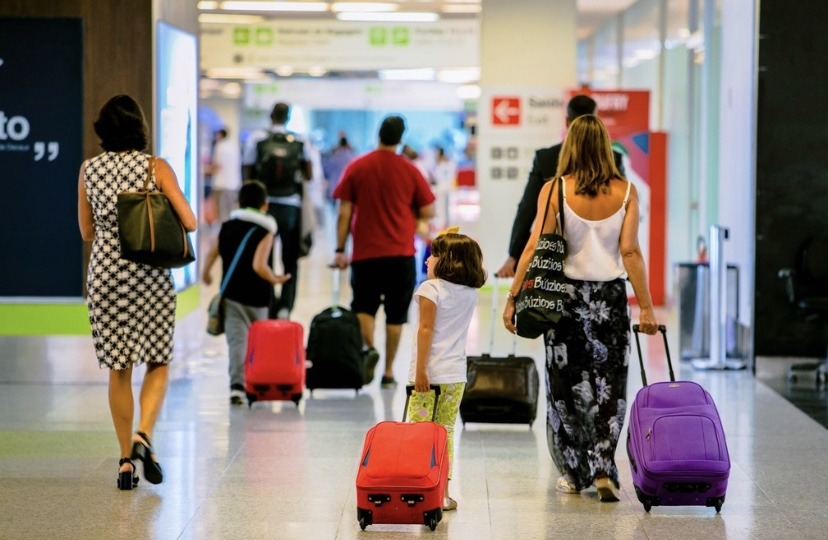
x=403 y=472
x=676 y=443
x=274 y=369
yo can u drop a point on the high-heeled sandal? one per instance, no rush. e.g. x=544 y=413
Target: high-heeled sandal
x=127 y=479
x=143 y=450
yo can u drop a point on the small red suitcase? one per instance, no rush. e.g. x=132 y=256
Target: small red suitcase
x=403 y=472
x=274 y=369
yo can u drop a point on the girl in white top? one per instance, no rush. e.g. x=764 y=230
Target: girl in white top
x=446 y=302
x=587 y=352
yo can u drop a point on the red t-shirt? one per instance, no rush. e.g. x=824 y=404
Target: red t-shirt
x=386 y=190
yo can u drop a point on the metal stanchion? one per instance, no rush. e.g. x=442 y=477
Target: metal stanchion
x=718 y=309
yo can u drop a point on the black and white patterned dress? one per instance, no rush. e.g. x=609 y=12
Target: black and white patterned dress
x=131 y=305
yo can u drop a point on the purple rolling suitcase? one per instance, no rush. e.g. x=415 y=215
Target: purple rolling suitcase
x=676 y=444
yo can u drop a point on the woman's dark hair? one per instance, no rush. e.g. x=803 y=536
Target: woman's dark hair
x=587 y=155
x=121 y=125
x=252 y=194
x=460 y=260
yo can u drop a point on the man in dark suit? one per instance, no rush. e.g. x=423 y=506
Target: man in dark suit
x=543 y=169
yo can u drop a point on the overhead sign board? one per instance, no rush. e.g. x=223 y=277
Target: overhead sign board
x=341 y=45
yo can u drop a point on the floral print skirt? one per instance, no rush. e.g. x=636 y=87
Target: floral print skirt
x=587 y=354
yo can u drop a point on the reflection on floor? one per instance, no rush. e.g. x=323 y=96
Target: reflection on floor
x=278 y=471
x=804 y=393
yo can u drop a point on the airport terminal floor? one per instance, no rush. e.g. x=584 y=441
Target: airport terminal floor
x=281 y=472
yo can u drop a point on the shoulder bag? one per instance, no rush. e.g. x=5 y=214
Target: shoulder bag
x=149 y=229
x=215 y=311
x=539 y=303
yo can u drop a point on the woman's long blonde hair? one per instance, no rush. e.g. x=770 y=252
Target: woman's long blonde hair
x=587 y=156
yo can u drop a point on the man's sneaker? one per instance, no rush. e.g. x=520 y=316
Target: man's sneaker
x=371 y=358
x=388 y=382
x=238 y=397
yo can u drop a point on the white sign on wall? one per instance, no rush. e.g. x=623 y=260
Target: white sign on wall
x=356 y=94
x=341 y=45
x=513 y=122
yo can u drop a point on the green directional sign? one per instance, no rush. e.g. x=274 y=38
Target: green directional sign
x=264 y=36
x=377 y=36
x=241 y=36
x=400 y=36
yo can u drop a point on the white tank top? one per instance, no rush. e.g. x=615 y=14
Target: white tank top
x=594 y=250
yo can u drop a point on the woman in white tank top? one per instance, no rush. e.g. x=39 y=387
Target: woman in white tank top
x=587 y=351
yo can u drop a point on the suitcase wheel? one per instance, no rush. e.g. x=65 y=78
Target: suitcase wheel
x=716 y=502
x=364 y=517
x=431 y=519
x=251 y=398
x=647 y=501
x=296 y=398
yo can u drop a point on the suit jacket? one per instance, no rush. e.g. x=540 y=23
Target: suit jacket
x=544 y=168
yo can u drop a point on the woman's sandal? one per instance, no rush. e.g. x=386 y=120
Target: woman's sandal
x=127 y=479
x=608 y=490
x=143 y=450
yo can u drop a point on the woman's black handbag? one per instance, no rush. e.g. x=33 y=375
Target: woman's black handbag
x=539 y=303
x=149 y=229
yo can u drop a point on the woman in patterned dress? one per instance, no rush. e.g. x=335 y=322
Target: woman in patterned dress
x=131 y=305
x=587 y=352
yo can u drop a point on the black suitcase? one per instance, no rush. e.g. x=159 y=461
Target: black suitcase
x=335 y=347
x=500 y=390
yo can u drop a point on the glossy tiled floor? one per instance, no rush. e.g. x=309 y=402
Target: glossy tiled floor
x=285 y=473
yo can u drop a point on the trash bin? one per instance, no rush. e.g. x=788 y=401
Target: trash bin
x=693 y=282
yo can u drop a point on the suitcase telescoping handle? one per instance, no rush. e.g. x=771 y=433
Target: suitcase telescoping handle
x=408 y=391
x=336 y=277
x=496 y=319
x=663 y=329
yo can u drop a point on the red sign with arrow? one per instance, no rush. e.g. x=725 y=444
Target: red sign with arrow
x=505 y=111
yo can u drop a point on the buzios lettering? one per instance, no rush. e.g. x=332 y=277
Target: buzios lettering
x=15 y=128
x=546 y=264
x=556 y=246
x=538 y=302
x=549 y=285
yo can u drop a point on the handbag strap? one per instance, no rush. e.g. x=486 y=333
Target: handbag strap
x=150 y=173
x=560 y=206
x=235 y=261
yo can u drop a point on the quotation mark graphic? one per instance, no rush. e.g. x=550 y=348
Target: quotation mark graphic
x=40 y=149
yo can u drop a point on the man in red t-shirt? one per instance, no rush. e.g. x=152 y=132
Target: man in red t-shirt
x=381 y=196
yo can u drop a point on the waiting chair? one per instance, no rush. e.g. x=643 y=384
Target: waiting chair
x=807 y=288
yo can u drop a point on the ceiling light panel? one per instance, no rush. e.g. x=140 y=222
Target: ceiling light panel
x=402 y=16
x=461 y=8
x=221 y=18
x=363 y=7
x=274 y=6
